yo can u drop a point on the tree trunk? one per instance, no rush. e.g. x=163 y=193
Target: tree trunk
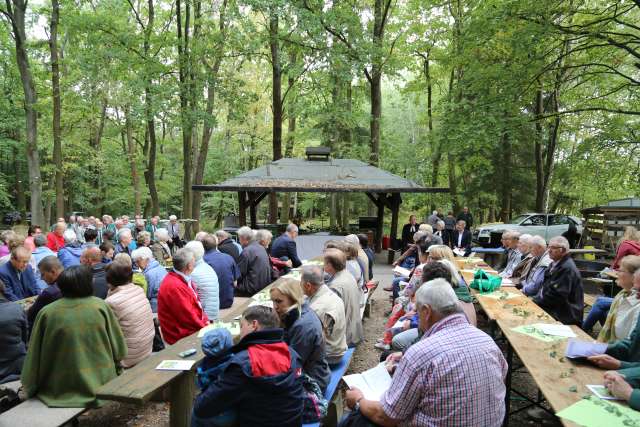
x=96 y=146
x=16 y=12
x=131 y=152
x=380 y=15
x=185 y=114
x=21 y=200
x=57 y=107
x=276 y=97
x=150 y=173
x=505 y=167
x=538 y=152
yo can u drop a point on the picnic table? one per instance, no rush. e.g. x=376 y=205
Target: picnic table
x=561 y=381
x=140 y=383
x=555 y=376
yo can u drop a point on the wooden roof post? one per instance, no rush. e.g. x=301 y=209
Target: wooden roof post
x=395 y=202
x=252 y=210
x=242 y=204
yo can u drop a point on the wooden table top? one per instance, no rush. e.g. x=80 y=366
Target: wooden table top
x=554 y=375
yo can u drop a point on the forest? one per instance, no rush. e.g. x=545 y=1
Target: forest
x=120 y=106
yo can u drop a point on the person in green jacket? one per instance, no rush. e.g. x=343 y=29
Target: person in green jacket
x=625 y=384
x=621 y=354
x=76 y=345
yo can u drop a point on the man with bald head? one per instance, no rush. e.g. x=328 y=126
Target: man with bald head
x=18 y=276
x=92 y=258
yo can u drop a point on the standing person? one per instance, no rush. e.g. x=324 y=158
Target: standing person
x=179 y=309
x=433 y=219
x=175 y=241
x=466 y=216
x=50 y=269
x=100 y=229
x=225 y=268
x=34 y=230
x=131 y=307
x=449 y=227
x=408 y=230
x=160 y=248
x=206 y=281
x=18 y=276
x=330 y=310
x=228 y=246
x=562 y=295
x=152 y=227
x=451 y=355
x=262 y=382
x=343 y=284
x=14 y=336
x=75 y=347
x=285 y=246
x=55 y=239
x=302 y=329
x=254 y=266
x=92 y=258
x=70 y=254
x=153 y=272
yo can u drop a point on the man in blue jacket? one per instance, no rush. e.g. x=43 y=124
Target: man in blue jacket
x=263 y=381
x=17 y=275
x=285 y=246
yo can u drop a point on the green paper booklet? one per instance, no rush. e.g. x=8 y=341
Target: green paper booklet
x=594 y=412
x=536 y=333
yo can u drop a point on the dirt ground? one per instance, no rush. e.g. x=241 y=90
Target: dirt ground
x=366 y=356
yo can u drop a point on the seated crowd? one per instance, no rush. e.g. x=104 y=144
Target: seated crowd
x=107 y=292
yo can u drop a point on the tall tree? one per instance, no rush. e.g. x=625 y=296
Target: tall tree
x=57 y=107
x=15 y=13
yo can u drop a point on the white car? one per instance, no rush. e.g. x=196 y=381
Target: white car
x=544 y=225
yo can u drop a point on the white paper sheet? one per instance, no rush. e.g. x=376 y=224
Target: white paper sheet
x=402 y=272
x=577 y=349
x=175 y=365
x=556 y=330
x=373 y=382
x=602 y=392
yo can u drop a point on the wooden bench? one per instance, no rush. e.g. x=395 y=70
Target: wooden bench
x=34 y=413
x=334 y=412
x=589 y=300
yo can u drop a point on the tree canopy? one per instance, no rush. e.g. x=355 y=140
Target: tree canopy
x=114 y=106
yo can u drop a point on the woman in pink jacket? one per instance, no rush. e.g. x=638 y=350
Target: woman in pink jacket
x=132 y=308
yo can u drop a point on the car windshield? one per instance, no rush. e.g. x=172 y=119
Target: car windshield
x=517 y=220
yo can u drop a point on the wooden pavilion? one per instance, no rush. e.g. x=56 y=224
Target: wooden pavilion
x=319 y=173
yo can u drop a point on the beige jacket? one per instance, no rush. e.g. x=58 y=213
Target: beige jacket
x=364 y=259
x=330 y=309
x=132 y=308
x=346 y=287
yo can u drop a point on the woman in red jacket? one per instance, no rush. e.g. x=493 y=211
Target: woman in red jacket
x=629 y=245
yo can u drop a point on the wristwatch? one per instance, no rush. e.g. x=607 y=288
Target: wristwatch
x=357 y=405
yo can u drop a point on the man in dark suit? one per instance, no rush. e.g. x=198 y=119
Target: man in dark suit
x=462 y=238
x=562 y=295
x=408 y=231
x=285 y=246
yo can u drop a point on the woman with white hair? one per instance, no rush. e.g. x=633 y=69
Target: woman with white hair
x=160 y=248
x=153 y=273
x=70 y=254
x=363 y=260
x=206 y=281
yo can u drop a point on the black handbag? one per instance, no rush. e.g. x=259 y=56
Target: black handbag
x=158 y=344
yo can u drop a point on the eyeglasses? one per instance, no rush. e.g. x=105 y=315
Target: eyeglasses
x=556 y=247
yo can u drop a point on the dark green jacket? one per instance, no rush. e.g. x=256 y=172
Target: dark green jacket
x=627 y=351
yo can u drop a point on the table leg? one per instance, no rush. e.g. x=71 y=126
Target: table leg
x=507 y=396
x=181 y=399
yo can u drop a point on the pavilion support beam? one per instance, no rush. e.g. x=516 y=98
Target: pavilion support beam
x=253 y=214
x=242 y=208
x=395 y=200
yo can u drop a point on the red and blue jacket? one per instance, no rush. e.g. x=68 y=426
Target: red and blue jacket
x=262 y=383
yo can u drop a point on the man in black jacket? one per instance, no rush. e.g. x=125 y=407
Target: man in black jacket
x=408 y=231
x=92 y=258
x=226 y=245
x=254 y=265
x=285 y=246
x=262 y=383
x=562 y=295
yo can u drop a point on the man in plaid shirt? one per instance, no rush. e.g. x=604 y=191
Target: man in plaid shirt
x=454 y=376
